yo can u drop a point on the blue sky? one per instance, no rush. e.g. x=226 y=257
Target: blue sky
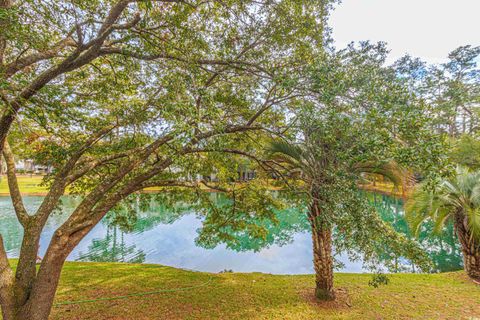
x=428 y=29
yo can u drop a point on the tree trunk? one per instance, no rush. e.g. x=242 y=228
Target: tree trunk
x=323 y=264
x=33 y=299
x=7 y=301
x=322 y=255
x=470 y=247
x=471 y=260
x=26 y=267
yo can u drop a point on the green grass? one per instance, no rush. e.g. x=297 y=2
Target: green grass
x=27 y=184
x=258 y=296
x=386 y=188
x=30 y=185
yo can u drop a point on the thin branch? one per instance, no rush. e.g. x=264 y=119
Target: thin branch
x=265 y=107
x=238 y=64
x=88 y=166
x=61 y=181
x=17 y=199
x=24 y=62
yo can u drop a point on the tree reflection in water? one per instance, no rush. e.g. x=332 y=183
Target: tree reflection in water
x=112 y=248
x=144 y=213
x=443 y=249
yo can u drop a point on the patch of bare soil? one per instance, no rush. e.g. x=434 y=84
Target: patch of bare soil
x=342 y=301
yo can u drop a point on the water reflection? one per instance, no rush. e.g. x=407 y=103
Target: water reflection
x=155 y=231
x=443 y=249
x=112 y=248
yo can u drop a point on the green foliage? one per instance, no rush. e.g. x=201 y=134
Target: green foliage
x=244 y=212
x=451 y=89
x=443 y=249
x=458 y=195
x=379 y=279
x=360 y=119
x=466 y=151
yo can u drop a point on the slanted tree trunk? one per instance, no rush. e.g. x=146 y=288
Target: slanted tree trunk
x=470 y=247
x=33 y=299
x=7 y=302
x=43 y=290
x=16 y=291
x=322 y=254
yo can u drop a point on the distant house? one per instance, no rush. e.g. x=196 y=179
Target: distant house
x=29 y=166
x=245 y=173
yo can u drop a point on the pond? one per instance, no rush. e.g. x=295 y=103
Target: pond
x=161 y=237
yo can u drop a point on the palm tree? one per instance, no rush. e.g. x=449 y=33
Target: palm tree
x=456 y=199
x=316 y=165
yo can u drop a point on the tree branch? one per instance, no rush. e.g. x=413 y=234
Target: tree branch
x=61 y=179
x=22 y=63
x=238 y=64
x=78 y=58
x=4 y=4
x=88 y=166
x=17 y=200
x=264 y=107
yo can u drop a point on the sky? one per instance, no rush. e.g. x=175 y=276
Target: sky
x=428 y=29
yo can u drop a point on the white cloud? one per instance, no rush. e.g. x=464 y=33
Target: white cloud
x=428 y=29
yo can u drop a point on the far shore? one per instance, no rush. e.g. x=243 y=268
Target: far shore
x=30 y=185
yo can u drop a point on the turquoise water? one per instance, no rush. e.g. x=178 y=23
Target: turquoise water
x=164 y=236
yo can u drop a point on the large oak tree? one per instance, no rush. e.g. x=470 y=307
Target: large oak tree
x=123 y=95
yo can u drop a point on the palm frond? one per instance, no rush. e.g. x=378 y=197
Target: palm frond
x=399 y=176
x=461 y=192
x=285 y=148
x=473 y=217
x=418 y=208
x=475 y=195
x=284 y=152
x=440 y=218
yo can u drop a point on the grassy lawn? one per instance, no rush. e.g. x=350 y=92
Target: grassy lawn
x=27 y=184
x=30 y=185
x=257 y=296
x=386 y=188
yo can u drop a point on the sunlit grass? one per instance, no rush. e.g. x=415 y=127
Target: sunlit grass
x=386 y=188
x=258 y=296
x=28 y=184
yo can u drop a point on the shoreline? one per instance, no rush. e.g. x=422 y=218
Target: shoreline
x=381 y=189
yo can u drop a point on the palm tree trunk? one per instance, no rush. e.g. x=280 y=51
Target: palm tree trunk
x=323 y=264
x=322 y=255
x=472 y=264
x=470 y=247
